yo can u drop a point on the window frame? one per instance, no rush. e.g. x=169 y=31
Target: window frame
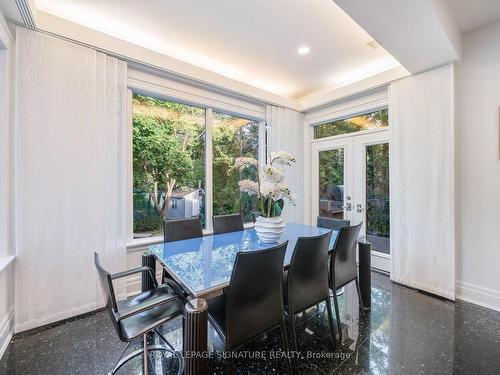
x=367 y=102
x=347 y=117
x=165 y=91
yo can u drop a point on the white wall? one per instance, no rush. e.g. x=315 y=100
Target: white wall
x=6 y=52
x=6 y=228
x=285 y=133
x=422 y=181
x=6 y=306
x=478 y=168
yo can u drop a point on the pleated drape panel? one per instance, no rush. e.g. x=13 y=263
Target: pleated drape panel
x=285 y=132
x=70 y=175
x=422 y=178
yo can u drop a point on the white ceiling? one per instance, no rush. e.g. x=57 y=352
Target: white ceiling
x=252 y=41
x=473 y=14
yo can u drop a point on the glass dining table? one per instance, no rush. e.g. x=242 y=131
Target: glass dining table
x=202 y=267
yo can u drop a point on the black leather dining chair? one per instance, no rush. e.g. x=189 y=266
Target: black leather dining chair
x=253 y=303
x=335 y=224
x=182 y=229
x=305 y=283
x=227 y=223
x=177 y=230
x=330 y=223
x=343 y=267
x=140 y=315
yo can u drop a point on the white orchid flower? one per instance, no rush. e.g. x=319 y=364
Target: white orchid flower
x=272 y=173
x=248 y=186
x=244 y=162
x=281 y=158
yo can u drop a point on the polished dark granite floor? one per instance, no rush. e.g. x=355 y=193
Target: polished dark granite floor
x=406 y=333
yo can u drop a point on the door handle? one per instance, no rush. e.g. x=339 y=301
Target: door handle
x=348 y=205
x=359 y=207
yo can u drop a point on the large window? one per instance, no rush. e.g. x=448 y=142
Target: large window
x=373 y=120
x=169 y=157
x=232 y=137
x=168 y=152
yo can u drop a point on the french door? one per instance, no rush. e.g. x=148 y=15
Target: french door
x=350 y=181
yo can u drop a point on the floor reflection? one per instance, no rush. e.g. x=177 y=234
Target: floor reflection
x=406 y=332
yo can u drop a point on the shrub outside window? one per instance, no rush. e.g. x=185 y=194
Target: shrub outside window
x=169 y=156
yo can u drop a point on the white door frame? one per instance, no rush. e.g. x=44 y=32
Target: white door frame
x=354 y=145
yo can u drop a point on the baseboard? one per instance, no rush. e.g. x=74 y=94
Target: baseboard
x=425 y=288
x=131 y=287
x=6 y=331
x=56 y=317
x=478 y=295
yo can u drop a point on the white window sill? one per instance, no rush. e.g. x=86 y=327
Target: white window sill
x=5 y=261
x=139 y=244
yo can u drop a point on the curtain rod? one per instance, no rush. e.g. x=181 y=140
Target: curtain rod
x=143 y=64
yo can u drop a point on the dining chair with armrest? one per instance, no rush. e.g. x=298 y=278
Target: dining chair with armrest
x=343 y=267
x=140 y=315
x=305 y=283
x=253 y=303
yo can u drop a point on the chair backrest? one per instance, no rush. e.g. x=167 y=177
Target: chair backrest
x=182 y=229
x=308 y=273
x=255 y=296
x=109 y=293
x=343 y=267
x=227 y=223
x=330 y=223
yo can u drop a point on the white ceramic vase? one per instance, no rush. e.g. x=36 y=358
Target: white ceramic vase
x=269 y=229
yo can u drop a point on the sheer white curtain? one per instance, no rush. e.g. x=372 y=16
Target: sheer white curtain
x=285 y=131
x=422 y=172
x=70 y=175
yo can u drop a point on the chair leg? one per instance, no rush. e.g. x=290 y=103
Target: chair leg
x=119 y=362
x=229 y=364
x=359 y=297
x=330 y=320
x=284 y=339
x=145 y=372
x=337 y=314
x=140 y=352
x=294 y=332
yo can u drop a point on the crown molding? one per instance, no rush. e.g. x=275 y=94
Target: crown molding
x=27 y=10
x=139 y=56
x=326 y=97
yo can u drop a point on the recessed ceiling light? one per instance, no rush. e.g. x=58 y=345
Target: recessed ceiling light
x=303 y=50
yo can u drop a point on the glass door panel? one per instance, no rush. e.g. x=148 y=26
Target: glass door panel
x=377 y=197
x=371 y=204
x=331 y=179
x=331 y=183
